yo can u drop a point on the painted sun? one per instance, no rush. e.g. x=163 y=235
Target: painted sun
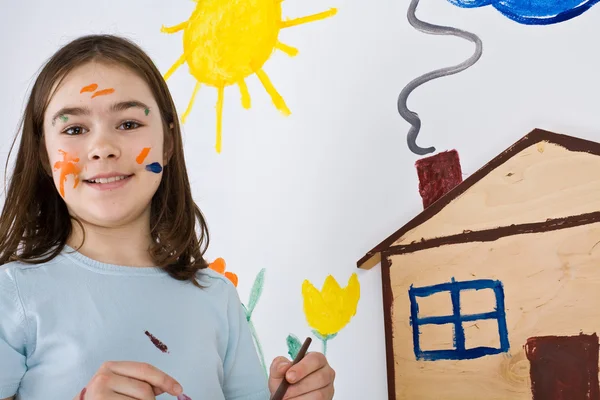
x=225 y=41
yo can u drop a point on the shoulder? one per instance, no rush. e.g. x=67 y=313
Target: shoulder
x=11 y=276
x=14 y=270
x=10 y=270
x=215 y=283
x=10 y=296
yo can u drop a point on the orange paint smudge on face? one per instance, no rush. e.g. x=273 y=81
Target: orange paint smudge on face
x=89 y=88
x=103 y=92
x=140 y=159
x=67 y=167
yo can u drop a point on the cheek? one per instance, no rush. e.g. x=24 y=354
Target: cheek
x=149 y=158
x=65 y=164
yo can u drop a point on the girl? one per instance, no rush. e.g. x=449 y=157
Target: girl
x=104 y=291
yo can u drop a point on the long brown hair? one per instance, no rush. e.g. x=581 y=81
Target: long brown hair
x=35 y=223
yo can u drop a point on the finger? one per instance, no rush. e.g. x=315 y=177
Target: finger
x=147 y=373
x=325 y=393
x=108 y=385
x=278 y=367
x=310 y=363
x=107 y=396
x=316 y=381
x=117 y=396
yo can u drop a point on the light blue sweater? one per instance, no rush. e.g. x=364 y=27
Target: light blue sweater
x=61 y=320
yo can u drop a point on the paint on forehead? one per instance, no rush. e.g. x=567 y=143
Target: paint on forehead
x=89 y=88
x=154 y=167
x=67 y=167
x=103 y=92
x=147 y=111
x=142 y=156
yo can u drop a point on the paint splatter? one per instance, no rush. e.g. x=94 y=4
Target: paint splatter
x=438 y=175
x=219 y=56
x=67 y=167
x=143 y=154
x=103 y=92
x=159 y=345
x=147 y=111
x=411 y=117
x=538 y=12
x=219 y=266
x=64 y=118
x=564 y=367
x=154 y=167
x=89 y=88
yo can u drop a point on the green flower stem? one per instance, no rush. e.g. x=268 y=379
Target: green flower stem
x=258 y=346
x=324 y=339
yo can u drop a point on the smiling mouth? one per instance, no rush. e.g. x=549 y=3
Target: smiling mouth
x=100 y=181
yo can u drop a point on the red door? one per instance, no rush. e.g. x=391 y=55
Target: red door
x=564 y=367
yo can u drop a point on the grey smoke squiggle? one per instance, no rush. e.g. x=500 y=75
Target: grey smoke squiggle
x=410 y=116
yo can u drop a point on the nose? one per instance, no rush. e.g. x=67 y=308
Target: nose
x=103 y=148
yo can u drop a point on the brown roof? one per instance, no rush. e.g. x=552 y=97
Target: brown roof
x=537 y=135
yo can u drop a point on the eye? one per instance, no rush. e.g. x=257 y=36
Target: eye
x=128 y=125
x=74 y=130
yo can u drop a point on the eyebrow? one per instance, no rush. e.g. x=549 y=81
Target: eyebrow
x=114 y=108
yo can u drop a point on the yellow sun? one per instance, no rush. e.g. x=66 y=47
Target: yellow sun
x=225 y=41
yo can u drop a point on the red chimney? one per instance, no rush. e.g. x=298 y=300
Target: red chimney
x=438 y=175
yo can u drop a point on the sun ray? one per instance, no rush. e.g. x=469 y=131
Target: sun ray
x=191 y=103
x=173 y=29
x=244 y=93
x=221 y=90
x=275 y=96
x=220 y=55
x=176 y=65
x=289 y=50
x=308 y=18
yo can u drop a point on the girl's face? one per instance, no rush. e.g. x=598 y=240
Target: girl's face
x=104 y=137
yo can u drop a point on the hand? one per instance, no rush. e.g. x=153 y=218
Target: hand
x=121 y=380
x=310 y=379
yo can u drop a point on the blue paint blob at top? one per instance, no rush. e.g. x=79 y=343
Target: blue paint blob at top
x=533 y=12
x=154 y=167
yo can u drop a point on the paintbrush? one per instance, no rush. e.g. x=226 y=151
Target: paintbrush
x=285 y=384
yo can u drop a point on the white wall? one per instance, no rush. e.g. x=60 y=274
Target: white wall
x=307 y=195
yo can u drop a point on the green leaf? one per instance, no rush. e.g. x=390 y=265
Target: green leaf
x=294 y=345
x=256 y=291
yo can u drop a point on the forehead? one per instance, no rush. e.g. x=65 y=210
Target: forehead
x=97 y=84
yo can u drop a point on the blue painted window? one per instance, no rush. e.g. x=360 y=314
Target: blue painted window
x=454 y=288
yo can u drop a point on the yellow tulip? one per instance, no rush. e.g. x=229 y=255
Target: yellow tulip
x=329 y=310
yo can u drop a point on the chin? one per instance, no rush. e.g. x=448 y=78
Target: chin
x=113 y=216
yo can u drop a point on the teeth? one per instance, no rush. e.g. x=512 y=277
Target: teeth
x=107 y=180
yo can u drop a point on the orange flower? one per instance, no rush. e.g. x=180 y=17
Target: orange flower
x=219 y=266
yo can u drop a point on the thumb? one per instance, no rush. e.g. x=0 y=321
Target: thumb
x=279 y=367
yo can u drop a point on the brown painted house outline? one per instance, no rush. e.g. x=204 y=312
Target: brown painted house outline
x=386 y=248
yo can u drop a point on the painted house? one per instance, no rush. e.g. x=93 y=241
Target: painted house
x=493 y=291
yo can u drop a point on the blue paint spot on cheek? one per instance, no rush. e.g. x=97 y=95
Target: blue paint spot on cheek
x=154 y=167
